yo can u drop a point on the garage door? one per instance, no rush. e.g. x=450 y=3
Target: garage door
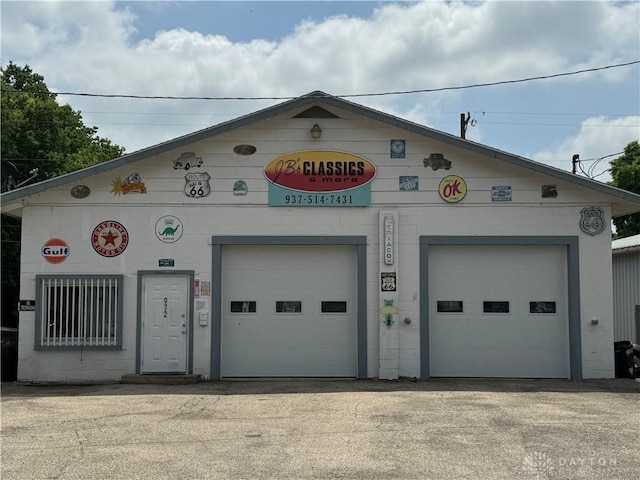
x=498 y=311
x=288 y=311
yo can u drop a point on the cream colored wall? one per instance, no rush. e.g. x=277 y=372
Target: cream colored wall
x=57 y=214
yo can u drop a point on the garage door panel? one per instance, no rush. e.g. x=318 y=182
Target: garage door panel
x=305 y=343
x=514 y=344
x=506 y=362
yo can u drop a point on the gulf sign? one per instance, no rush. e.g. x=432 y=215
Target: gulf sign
x=320 y=171
x=55 y=250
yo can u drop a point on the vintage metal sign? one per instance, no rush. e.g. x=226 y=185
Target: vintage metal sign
x=388 y=281
x=592 y=220
x=132 y=184
x=397 y=148
x=240 y=187
x=320 y=179
x=501 y=193
x=388 y=239
x=388 y=311
x=197 y=185
x=408 y=183
x=55 y=250
x=452 y=188
x=186 y=161
x=169 y=229
x=109 y=238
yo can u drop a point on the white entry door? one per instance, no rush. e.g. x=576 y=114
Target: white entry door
x=164 y=323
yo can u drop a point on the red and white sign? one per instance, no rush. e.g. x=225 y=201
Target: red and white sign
x=320 y=171
x=55 y=250
x=110 y=238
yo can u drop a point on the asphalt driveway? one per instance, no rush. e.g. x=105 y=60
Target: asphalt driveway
x=323 y=429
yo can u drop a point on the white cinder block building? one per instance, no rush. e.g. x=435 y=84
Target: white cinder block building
x=317 y=238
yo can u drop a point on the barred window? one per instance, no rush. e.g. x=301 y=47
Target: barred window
x=78 y=311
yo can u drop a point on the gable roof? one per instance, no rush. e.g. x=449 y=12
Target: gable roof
x=624 y=202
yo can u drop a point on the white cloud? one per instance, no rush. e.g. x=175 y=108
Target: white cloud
x=598 y=137
x=87 y=46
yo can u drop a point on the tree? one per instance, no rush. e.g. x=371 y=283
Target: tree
x=625 y=171
x=38 y=132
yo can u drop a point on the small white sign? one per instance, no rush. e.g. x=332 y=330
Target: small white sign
x=168 y=229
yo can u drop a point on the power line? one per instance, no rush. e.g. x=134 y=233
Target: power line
x=404 y=92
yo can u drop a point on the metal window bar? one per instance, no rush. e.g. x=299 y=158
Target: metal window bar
x=77 y=313
x=83 y=331
x=65 y=314
x=91 y=312
x=55 y=312
x=109 y=310
x=74 y=319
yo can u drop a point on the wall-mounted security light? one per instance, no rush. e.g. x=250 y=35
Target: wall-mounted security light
x=316 y=131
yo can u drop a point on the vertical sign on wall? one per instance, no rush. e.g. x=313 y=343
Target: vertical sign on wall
x=388 y=239
x=388 y=334
x=397 y=148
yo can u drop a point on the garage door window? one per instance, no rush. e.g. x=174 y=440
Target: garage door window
x=243 y=307
x=333 y=307
x=449 y=306
x=495 y=307
x=542 y=308
x=288 y=307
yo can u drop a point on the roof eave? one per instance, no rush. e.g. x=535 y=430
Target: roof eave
x=626 y=203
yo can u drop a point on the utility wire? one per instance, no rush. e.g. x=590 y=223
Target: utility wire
x=405 y=92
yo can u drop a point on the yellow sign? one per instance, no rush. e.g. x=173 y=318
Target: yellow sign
x=452 y=188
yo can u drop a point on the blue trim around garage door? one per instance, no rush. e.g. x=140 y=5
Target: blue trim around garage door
x=217 y=242
x=573 y=289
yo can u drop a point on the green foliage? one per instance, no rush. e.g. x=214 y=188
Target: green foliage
x=625 y=171
x=38 y=132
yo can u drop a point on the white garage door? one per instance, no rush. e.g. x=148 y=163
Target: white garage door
x=288 y=311
x=498 y=311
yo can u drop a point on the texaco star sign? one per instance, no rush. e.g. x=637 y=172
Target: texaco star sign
x=110 y=238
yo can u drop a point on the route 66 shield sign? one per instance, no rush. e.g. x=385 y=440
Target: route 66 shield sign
x=592 y=220
x=197 y=185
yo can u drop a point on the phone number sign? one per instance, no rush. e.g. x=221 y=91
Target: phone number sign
x=285 y=197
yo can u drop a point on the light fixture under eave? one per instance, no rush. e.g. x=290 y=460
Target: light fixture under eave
x=316 y=131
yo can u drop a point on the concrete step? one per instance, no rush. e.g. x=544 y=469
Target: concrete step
x=161 y=379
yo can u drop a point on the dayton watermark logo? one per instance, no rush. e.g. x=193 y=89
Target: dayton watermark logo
x=538 y=464
x=543 y=466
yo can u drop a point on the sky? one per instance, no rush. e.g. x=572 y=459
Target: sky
x=290 y=48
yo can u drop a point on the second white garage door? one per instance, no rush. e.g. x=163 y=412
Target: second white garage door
x=498 y=311
x=288 y=311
